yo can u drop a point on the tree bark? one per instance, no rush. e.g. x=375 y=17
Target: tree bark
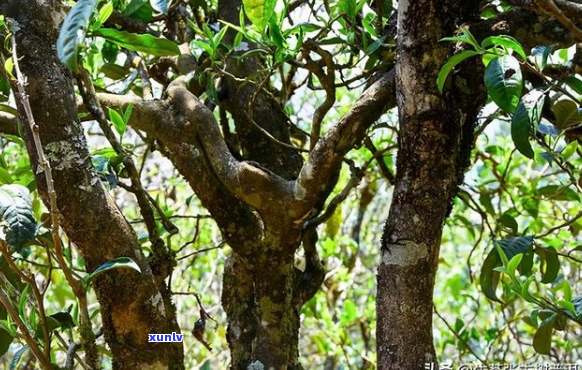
x=435 y=141
x=132 y=305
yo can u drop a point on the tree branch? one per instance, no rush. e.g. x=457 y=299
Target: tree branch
x=324 y=163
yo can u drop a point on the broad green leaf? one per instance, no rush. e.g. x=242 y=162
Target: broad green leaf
x=143 y=43
x=575 y=83
x=489 y=277
x=63 y=319
x=375 y=45
x=9 y=67
x=515 y=245
x=348 y=7
x=8 y=109
x=542 y=341
x=73 y=31
x=259 y=12
x=569 y=150
x=526 y=263
x=117 y=121
x=512 y=265
x=160 y=6
x=506 y=41
x=5 y=177
x=567 y=113
x=504 y=82
x=450 y=64
x=275 y=33
x=540 y=54
x=525 y=121
x=139 y=9
x=5 y=341
x=127 y=113
x=103 y=16
x=16 y=211
x=508 y=221
x=550 y=264
x=120 y=262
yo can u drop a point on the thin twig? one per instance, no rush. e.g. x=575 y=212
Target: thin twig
x=32 y=343
x=549 y=7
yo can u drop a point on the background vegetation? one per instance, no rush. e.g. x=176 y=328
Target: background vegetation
x=506 y=289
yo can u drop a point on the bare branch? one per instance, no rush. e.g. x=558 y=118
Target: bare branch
x=324 y=162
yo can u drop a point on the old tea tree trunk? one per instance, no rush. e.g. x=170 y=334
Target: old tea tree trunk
x=132 y=305
x=435 y=139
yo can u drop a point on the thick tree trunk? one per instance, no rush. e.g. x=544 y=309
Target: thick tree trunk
x=435 y=140
x=260 y=299
x=132 y=304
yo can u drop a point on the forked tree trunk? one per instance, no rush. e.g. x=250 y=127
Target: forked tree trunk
x=260 y=299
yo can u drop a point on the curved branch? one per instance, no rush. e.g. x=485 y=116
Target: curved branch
x=315 y=180
x=248 y=182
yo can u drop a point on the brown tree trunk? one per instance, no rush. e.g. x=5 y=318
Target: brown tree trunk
x=132 y=304
x=435 y=141
x=263 y=319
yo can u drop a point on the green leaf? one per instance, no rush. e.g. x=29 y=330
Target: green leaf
x=489 y=277
x=63 y=319
x=120 y=262
x=139 y=9
x=348 y=7
x=508 y=221
x=8 y=109
x=160 y=6
x=466 y=37
x=127 y=113
x=540 y=55
x=103 y=16
x=542 y=340
x=569 y=150
x=525 y=289
x=525 y=121
x=259 y=12
x=504 y=82
x=143 y=43
x=574 y=83
x=16 y=211
x=550 y=264
x=275 y=33
x=5 y=177
x=450 y=64
x=512 y=265
x=567 y=113
x=5 y=341
x=506 y=41
x=515 y=245
x=73 y=31
x=349 y=312
x=117 y=121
